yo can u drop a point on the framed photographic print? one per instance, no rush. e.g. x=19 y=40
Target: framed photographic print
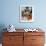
x=26 y=13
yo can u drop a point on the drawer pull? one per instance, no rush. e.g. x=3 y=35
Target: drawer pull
x=10 y=38
x=33 y=39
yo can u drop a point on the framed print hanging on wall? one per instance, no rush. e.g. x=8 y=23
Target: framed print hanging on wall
x=26 y=13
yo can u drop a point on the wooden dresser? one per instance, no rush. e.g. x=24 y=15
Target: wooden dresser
x=23 y=38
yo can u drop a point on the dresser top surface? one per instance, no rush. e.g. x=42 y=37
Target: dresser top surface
x=22 y=30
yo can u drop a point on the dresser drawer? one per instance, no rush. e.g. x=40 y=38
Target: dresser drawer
x=8 y=45
x=37 y=44
x=12 y=39
x=14 y=44
x=37 y=39
x=34 y=33
x=13 y=33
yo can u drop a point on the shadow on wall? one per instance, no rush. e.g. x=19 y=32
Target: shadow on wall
x=2 y=26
